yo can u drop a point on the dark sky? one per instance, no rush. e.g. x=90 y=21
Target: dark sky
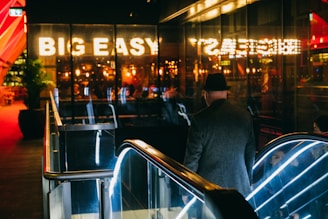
x=93 y=11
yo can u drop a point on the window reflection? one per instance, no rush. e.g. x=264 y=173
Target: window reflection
x=276 y=69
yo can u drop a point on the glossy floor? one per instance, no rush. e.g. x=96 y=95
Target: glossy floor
x=20 y=168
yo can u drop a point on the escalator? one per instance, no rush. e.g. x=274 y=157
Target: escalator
x=139 y=181
x=291 y=178
x=142 y=183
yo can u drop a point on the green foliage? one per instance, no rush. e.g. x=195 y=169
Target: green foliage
x=34 y=80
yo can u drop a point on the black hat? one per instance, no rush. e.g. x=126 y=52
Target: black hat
x=215 y=82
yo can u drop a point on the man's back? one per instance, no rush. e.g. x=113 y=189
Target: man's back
x=221 y=146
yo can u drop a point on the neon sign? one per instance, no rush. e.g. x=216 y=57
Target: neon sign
x=102 y=46
x=48 y=46
x=244 y=47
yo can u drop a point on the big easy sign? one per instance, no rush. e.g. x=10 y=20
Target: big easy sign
x=102 y=46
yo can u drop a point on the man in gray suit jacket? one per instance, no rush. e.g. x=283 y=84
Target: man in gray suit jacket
x=221 y=145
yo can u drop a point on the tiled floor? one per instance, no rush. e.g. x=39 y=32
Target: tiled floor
x=20 y=168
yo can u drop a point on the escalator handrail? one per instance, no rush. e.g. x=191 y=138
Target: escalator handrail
x=289 y=137
x=78 y=175
x=54 y=109
x=166 y=163
x=220 y=200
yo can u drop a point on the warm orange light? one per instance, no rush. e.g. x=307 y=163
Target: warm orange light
x=25 y=23
x=77 y=72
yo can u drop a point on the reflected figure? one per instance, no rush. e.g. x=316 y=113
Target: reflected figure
x=273 y=186
x=320 y=125
x=76 y=91
x=278 y=185
x=131 y=90
x=171 y=92
x=100 y=90
x=277 y=157
x=319 y=208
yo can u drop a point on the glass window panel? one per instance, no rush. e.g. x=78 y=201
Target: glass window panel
x=312 y=81
x=93 y=61
x=137 y=80
x=137 y=50
x=49 y=42
x=194 y=67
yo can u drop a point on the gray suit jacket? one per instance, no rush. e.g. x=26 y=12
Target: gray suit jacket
x=221 y=146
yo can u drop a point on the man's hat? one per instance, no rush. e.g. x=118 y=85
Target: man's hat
x=215 y=82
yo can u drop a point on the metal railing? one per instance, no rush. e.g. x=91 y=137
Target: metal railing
x=52 y=176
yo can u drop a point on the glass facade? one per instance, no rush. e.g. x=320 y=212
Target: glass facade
x=273 y=53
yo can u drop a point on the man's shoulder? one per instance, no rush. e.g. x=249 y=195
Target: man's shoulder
x=222 y=107
x=199 y=113
x=236 y=108
x=202 y=115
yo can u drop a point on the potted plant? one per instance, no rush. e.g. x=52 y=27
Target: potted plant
x=32 y=120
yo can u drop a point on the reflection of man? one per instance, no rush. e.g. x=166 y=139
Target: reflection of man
x=276 y=157
x=170 y=93
x=76 y=90
x=320 y=125
x=265 y=82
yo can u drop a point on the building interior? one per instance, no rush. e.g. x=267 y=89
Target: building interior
x=148 y=60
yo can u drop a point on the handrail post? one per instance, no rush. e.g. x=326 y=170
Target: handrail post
x=104 y=211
